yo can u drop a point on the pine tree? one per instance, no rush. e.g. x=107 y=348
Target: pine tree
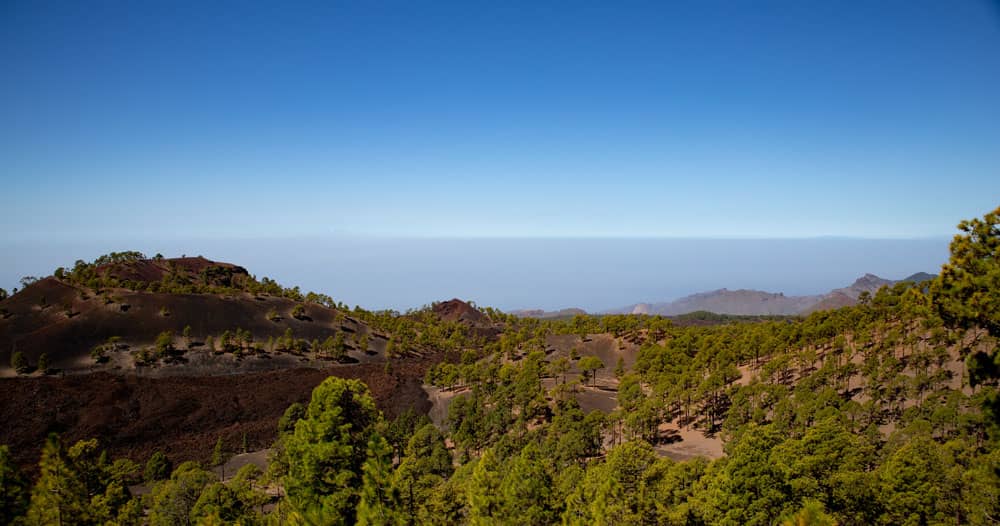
x=339 y=349
x=526 y=489
x=43 y=363
x=589 y=366
x=13 y=489
x=172 y=501
x=157 y=467
x=483 y=492
x=426 y=464
x=18 y=362
x=811 y=514
x=219 y=458
x=326 y=452
x=59 y=496
x=379 y=505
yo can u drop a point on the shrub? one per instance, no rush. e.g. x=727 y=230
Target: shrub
x=157 y=468
x=164 y=343
x=19 y=362
x=43 y=363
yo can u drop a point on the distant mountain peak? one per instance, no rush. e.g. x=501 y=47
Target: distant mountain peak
x=544 y=314
x=870 y=279
x=758 y=302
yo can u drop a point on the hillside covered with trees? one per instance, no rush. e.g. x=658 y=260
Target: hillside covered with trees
x=886 y=412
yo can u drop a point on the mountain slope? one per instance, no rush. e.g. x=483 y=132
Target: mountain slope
x=134 y=301
x=755 y=302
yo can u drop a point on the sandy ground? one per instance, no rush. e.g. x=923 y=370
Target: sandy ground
x=686 y=443
x=692 y=443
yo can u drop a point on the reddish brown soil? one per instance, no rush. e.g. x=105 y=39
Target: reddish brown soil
x=456 y=310
x=460 y=311
x=34 y=327
x=150 y=270
x=181 y=416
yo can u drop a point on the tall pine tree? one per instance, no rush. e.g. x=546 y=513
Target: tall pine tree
x=379 y=504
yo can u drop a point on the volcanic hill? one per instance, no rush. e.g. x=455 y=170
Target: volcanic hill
x=131 y=303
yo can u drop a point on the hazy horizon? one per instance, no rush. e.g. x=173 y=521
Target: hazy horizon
x=593 y=274
x=523 y=155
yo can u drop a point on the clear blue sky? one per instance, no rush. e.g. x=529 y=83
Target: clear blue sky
x=122 y=120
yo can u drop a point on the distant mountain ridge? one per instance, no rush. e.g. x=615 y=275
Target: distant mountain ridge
x=756 y=302
x=544 y=314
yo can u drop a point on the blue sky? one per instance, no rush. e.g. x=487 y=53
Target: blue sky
x=395 y=153
x=124 y=120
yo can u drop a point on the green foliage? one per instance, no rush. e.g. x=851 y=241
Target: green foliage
x=398 y=431
x=483 y=493
x=425 y=465
x=526 y=490
x=173 y=500
x=333 y=347
x=749 y=488
x=965 y=292
x=43 y=363
x=589 y=365
x=611 y=492
x=19 y=363
x=811 y=514
x=220 y=504
x=158 y=467
x=294 y=413
x=379 y=501
x=13 y=489
x=164 y=343
x=99 y=354
x=78 y=486
x=327 y=450
x=219 y=453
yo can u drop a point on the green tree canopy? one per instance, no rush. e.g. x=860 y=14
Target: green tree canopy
x=328 y=449
x=589 y=366
x=158 y=467
x=13 y=489
x=379 y=504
